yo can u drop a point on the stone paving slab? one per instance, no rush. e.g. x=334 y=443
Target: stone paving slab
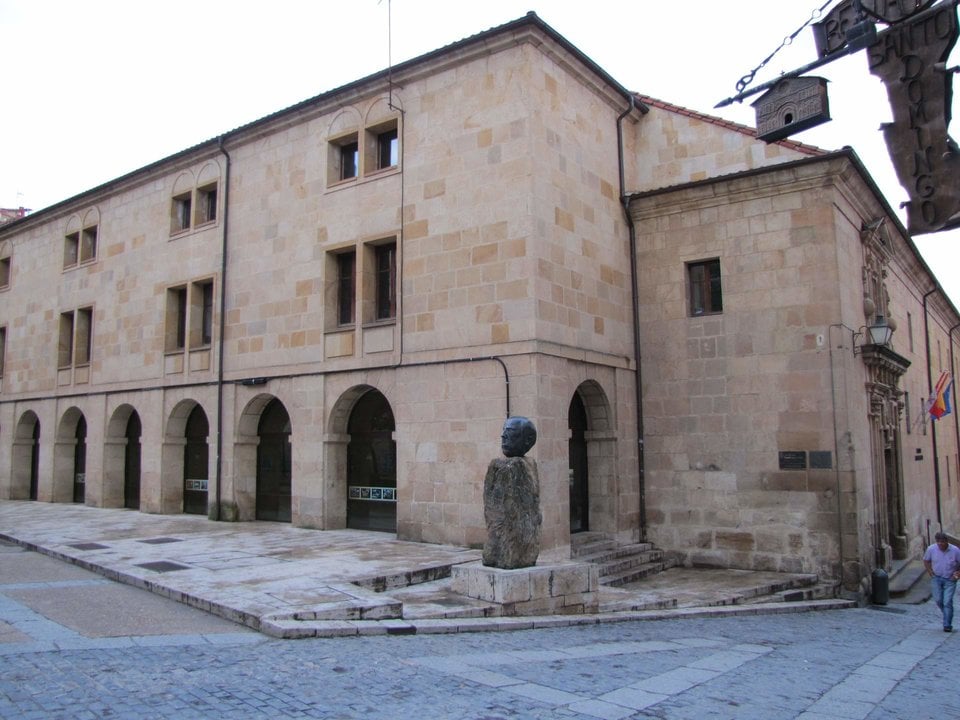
x=296 y=582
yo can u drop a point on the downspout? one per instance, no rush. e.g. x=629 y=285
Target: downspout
x=223 y=322
x=635 y=298
x=933 y=425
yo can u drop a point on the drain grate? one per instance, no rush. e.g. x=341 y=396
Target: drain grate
x=159 y=540
x=88 y=546
x=162 y=566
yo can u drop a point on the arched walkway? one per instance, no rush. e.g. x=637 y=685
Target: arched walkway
x=372 y=465
x=274 y=464
x=592 y=460
x=25 y=480
x=70 y=458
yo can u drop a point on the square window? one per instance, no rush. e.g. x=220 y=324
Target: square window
x=88 y=244
x=346 y=288
x=4 y=272
x=71 y=249
x=706 y=292
x=180 y=213
x=343 y=159
x=381 y=147
x=206 y=204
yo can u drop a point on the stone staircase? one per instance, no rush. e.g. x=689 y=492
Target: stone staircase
x=619 y=564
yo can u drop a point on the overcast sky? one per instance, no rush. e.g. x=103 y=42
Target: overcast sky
x=94 y=89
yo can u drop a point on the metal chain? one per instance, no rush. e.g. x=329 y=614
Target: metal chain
x=743 y=82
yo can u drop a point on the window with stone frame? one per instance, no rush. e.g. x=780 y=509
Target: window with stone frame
x=4 y=273
x=705 y=289
x=385 y=269
x=206 y=204
x=346 y=288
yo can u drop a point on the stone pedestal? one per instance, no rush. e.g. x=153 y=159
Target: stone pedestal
x=564 y=589
x=511 y=509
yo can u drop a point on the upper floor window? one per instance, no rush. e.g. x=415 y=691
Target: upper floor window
x=206 y=204
x=3 y=348
x=189 y=316
x=80 y=247
x=358 y=154
x=346 y=288
x=76 y=338
x=386 y=281
x=705 y=290
x=4 y=273
x=193 y=208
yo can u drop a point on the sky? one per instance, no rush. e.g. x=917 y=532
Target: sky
x=95 y=89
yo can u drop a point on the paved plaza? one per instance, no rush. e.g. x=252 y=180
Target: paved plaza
x=75 y=643
x=123 y=652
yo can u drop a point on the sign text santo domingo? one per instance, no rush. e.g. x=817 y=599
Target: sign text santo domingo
x=910 y=58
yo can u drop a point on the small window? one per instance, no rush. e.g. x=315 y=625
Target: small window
x=386 y=287
x=65 y=345
x=176 y=320
x=88 y=244
x=388 y=149
x=180 y=213
x=3 y=348
x=4 y=273
x=84 y=336
x=71 y=249
x=349 y=160
x=706 y=294
x=343 y=159
x=346 y=288
x=206 y=204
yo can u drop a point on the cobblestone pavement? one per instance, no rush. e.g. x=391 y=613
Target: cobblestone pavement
x=877 y=663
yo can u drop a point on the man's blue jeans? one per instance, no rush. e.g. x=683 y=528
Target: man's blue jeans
x=943 y=590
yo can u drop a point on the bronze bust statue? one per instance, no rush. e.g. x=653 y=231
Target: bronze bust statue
x=518 y=436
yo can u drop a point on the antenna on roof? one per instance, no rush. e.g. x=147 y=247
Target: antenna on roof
x=389 y=53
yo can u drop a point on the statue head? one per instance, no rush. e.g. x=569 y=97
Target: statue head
x=518 y=436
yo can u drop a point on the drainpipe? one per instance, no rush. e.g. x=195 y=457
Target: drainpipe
x=634 y=292
x=933 y=425
x=223 y=322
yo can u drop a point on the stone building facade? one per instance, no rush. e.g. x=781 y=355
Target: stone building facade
x=324 y=317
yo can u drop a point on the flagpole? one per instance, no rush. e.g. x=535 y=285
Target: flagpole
x=933 y=425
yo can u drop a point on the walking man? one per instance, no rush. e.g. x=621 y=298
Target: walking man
x=942 y=561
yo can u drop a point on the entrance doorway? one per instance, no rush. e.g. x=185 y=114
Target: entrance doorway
x=274 y=464
x=372 y=465
x=35 y=462
x=578 y=471
x=80 y=461
x=196 y=455
x=131 y=463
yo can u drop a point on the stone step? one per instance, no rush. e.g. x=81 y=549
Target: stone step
x=633 y=574
x=803 y=591
x=904 y=576
x=615 y=553
x=622 y=563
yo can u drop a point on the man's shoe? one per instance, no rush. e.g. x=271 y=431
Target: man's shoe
x=948 y=628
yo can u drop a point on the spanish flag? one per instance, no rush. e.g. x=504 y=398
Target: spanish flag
x=940 y=402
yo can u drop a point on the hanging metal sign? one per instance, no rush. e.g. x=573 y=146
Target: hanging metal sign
x=833 y=32
x=910 y=58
